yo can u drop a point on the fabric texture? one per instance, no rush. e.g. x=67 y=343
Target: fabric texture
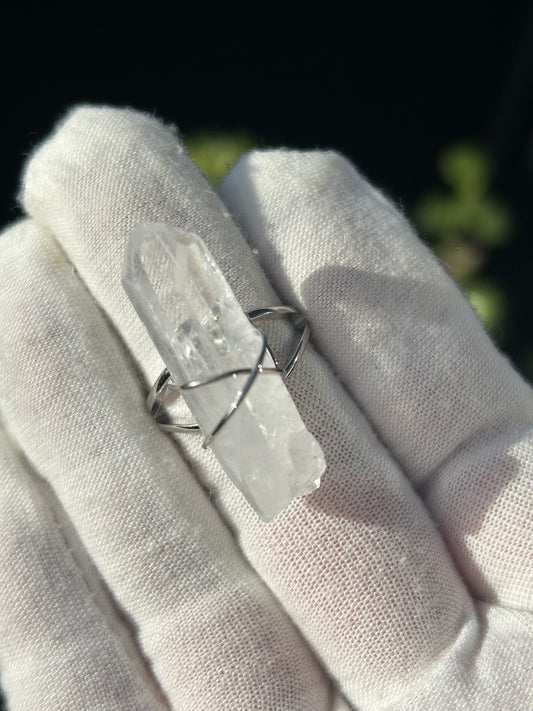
x=134 y=574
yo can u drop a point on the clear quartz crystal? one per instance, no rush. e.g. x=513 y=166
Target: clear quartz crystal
x=200 y=330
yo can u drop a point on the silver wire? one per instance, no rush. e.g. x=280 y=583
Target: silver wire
x=154 y=399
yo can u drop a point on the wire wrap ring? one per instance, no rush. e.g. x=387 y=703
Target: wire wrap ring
x=155 y=396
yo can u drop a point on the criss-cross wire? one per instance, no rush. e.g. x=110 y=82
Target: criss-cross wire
x=154 y=399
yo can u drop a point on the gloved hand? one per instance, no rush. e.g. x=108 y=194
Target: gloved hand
x=133 y=573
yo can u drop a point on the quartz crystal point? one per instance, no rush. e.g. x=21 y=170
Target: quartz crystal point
x=200 y=330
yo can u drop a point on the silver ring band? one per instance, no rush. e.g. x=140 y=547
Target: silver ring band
x=154 y=399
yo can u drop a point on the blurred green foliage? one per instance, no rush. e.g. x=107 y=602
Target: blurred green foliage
x=465 y=223
x=214 y=152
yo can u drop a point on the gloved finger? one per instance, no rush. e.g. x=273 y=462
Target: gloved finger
x=410 y=350
x=212 y=633
x=496 y=667
x=62 y=643
x=358 y=565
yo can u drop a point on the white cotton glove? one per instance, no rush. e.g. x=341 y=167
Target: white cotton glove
x=133 y=574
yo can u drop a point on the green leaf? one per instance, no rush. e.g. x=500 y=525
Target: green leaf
x=491 y=223
x=489 y=301
x=214 y=152
x=465 y=168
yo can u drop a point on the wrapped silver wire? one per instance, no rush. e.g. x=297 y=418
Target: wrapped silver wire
x=154 y=399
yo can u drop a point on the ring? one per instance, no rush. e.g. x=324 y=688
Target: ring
x=204 y=337
x=164 y=381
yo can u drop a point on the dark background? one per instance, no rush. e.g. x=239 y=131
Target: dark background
x=390 y=87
